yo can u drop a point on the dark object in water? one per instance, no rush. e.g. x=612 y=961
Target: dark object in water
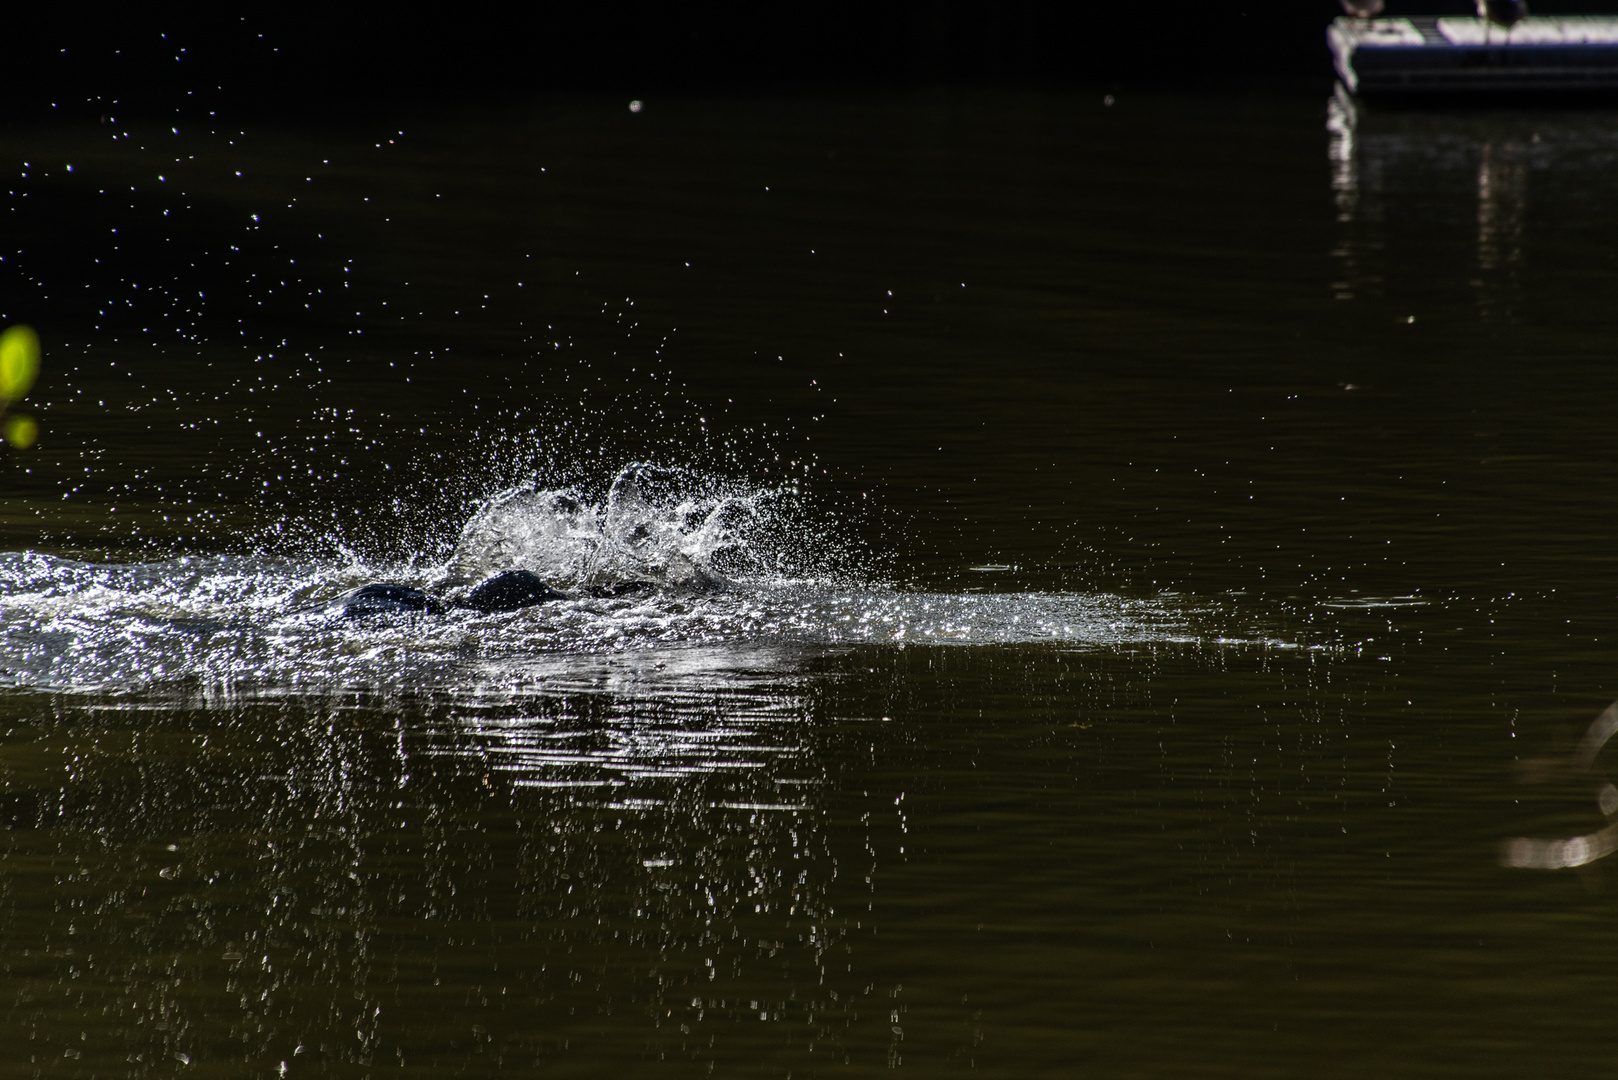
x=1362 y=9
x=1507 y=13
x=509 y=591
x=387 y=599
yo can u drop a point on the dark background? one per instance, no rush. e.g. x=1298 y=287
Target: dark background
x=69 y=60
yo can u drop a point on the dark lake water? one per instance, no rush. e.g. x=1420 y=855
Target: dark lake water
x=1156 y=541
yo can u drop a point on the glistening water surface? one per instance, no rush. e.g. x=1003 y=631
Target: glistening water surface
x=1105 y=575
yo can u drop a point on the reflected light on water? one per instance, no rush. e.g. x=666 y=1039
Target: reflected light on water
x=545 y=833
x=1580 y=765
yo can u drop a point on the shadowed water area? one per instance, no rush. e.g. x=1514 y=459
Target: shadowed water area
x=1101 y=570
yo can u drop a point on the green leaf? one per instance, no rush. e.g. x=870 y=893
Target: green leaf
x=19 y=362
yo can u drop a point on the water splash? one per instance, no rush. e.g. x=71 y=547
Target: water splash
x=731 y=579
x=649 y=528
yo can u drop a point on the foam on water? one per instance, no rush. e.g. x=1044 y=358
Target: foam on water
x=734 y=587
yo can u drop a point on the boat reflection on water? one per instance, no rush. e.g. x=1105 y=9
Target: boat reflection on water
x=1502 y=205
x=1409 y=184
x=1439 y=168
